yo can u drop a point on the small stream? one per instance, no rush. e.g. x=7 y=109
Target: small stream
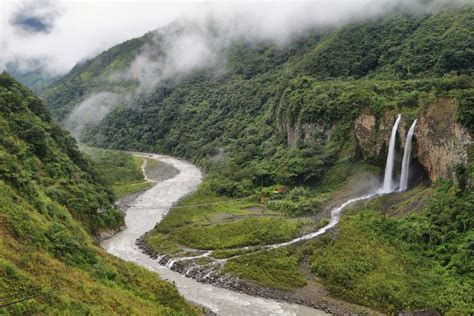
x=148 y=210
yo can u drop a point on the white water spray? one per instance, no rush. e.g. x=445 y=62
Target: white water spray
x=406 y=158
x=387 y=181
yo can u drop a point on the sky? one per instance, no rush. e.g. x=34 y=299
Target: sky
x=60 y=33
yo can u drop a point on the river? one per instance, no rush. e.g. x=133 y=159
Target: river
x=148 y=210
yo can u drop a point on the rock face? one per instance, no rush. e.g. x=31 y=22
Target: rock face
x=307 y=132
x=373 y=135
x=439 y=143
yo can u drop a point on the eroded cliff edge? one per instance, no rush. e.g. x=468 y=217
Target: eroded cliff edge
x=440 y=143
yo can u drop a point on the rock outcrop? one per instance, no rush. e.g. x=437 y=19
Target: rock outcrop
x=440 y=143
x=373 y=134
x=308 y=133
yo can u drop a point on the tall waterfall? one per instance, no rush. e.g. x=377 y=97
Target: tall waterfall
x=387 y=181
x=406 y=158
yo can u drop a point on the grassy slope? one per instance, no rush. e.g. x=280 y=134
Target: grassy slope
x=227 y=224
x=51 y=199
x=267 y=217
x=404 y=252
x=121 y=170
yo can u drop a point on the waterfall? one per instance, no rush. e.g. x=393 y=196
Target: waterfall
x=406 y=158
x=387 y=181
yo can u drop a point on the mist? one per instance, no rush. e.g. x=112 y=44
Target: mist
x=198 y=40
x=90 y=112
x=62 y=33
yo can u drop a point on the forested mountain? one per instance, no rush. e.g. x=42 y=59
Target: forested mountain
x=52 y=203
x=290 y=125
x=265 y=94
x=34 y=77
x=397 y=46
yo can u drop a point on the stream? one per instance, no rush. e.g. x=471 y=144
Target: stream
x=148 y=210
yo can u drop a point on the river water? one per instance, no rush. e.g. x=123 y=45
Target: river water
x=148 y=210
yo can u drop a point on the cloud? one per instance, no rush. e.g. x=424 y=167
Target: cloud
x=174 y=51
x=199 y=38
x=55 y=35
x=34 y=17
x=66 y=32
x=80 y=31
x=91 y=111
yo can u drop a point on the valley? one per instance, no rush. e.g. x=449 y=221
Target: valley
x=149 y=209
x=220 y=165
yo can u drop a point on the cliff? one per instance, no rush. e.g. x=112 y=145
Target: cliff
x=440 y=142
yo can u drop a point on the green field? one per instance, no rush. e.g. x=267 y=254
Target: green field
x=121 y=170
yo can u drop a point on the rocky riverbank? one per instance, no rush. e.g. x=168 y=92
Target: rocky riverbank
x=313 y=295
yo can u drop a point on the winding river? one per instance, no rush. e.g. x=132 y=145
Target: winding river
x=148 y=210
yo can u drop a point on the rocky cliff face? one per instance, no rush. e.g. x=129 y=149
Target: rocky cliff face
x=440 y=143
x=306 y=132
x=373 y=135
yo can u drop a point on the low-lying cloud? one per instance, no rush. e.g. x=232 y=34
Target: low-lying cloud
x=83 y=29
x=90 y=112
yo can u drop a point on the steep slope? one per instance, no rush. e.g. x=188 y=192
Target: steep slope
x=92 y=76
x=51 y=201
x=398 y=45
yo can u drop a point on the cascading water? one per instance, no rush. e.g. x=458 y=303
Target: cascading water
x=406 y=158
x=387 y=182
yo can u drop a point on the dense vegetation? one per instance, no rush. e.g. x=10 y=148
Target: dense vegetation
x=121 y=170
x=241 y=121
x=35 y=77
x=51 y=200
x=405 y=252
x=277 y=125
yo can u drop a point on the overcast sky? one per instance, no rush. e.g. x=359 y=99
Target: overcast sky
x=62 y=32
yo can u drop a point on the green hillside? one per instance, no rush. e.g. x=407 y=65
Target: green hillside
x=376 y=52
x=52 y=203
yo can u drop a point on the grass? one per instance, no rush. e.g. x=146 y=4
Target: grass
x=162 y=245
x=123 y=188
x=187 y=213
x=273 y=268
x=245 y=232
x=206 y=221
x=39 y=252
x=227 y=225
x=121 y=170
x=392 y=254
